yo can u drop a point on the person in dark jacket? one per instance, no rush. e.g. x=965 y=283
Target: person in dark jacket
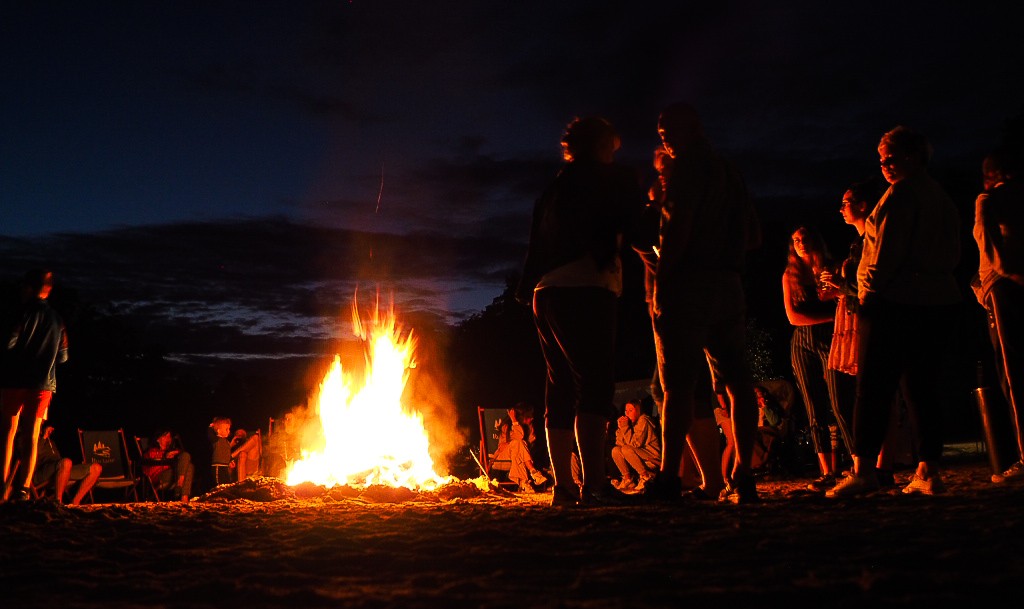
x=708 y=224
x=35 y=343
x=573 y=278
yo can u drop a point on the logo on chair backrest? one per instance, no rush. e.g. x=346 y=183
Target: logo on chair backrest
x=101 y=450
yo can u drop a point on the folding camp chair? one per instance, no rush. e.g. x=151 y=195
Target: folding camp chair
x=110 y=449
x=495 y=462
x=149 y=490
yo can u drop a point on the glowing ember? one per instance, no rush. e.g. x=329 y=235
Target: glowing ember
x=369 y=438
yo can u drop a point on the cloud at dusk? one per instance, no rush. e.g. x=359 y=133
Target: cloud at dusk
x=234 y=171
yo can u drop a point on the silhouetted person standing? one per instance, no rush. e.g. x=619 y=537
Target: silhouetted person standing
x=35 y=343
x=573 y=278
x=999 y=233
x=909 y=301
x=707 y=226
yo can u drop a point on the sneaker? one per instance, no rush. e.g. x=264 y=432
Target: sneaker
x=823 y=483
x=925 y=486
x=1015 y=473
x=853 y=486
x=21 y=495
x=644 y=480
x=563 y=498
x=538 y=478
x=624 y=485
x=740 y=491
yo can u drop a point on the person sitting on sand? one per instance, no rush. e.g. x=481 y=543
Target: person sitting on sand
x=637 y=450
x=770 y=419
x=168 y=466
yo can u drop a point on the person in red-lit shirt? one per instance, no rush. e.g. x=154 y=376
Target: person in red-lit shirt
x=168 y=466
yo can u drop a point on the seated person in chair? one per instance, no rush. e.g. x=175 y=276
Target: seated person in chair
x=167 y=466
x=501 y=459
x=52 y=469
x=770 y=419
x=521 y=437
x=284 y=445
x=637 y=450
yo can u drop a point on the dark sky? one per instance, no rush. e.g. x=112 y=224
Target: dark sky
x=245 y=165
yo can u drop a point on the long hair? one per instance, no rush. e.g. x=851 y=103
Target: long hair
x=800 y=274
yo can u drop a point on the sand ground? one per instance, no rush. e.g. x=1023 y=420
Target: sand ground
x=262 y=544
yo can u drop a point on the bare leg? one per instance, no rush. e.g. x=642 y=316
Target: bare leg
x=825 y=463
x=33 y=452
x=560 y=451
x=62 y=478
x=86 y=484
x=689 y=471
x=885 y=459
x=591 y=434
x=11 y=432
x=728 y=456
x=676 y=420
x=704 y=442
x=744 y=428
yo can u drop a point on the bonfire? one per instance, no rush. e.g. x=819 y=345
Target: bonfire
x=369 y=436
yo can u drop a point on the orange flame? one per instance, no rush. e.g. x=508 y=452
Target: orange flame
x=369 y=438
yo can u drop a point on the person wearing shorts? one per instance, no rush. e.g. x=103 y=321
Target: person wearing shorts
x=52 y=468
x=35 y=342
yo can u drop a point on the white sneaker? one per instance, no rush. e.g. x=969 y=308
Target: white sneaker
x=1014 y=473
x=644 y=479
x=925 y=486
x=853 y=486
x=624 y=485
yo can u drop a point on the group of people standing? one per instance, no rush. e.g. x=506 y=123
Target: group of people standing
x=876 y=320
x=695 y=241
x=867 y=331
x=871 y=328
